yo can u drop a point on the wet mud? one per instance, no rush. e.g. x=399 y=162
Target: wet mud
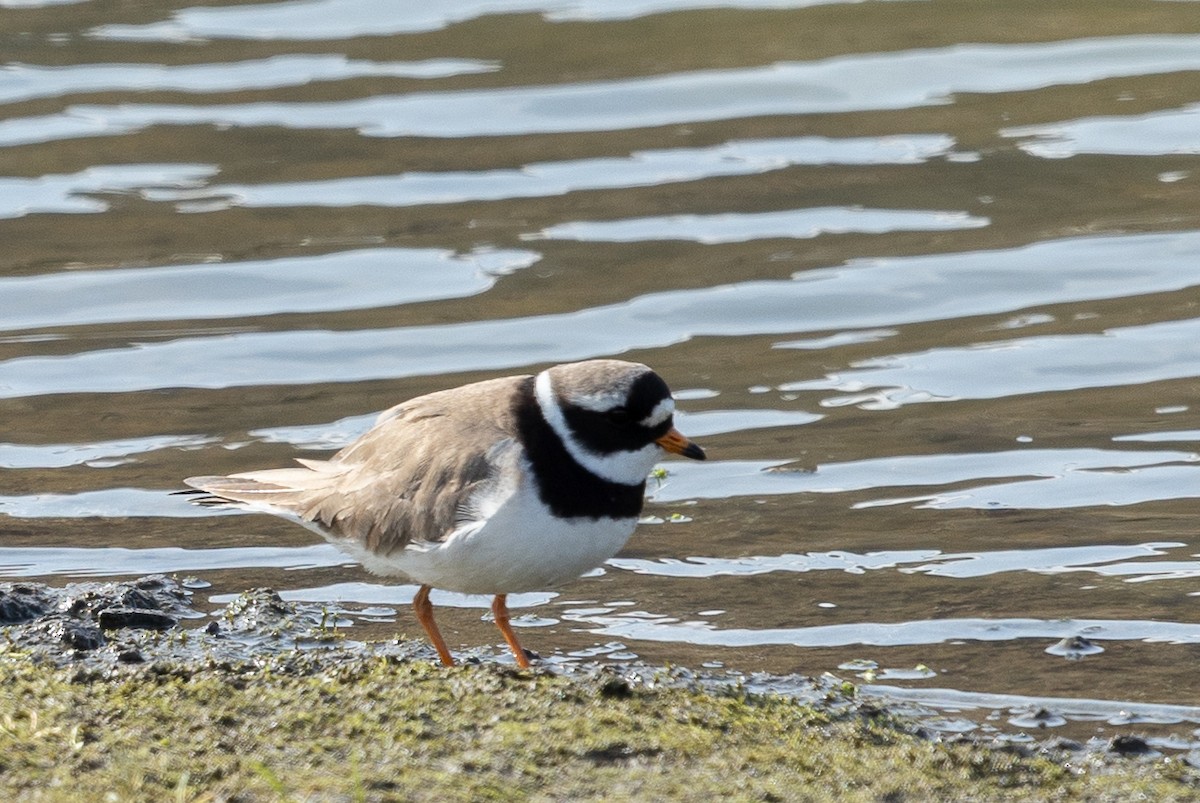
x=153 y=626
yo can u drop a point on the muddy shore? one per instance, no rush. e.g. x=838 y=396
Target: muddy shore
x=126 y=691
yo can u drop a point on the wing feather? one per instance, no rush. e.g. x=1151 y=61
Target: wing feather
x=417 y=475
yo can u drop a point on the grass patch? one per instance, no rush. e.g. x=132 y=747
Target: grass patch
x=382 y=729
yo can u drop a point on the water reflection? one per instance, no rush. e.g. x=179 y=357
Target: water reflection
x=333 y=435
x=233 y=230
x=71 y=194
x=1065 y=475
x=116 y=503
x=1120 y=356
x=1060 y=478
x=929 y=561
x=1076 y=708
x=643 y=626
x=860 y=295
x=545 y=179
x=1075 y=488
x=1154 y=134
x=337 y=434
x=1110 y=560
x=95 y=455
x=36 y=3
x=375 y=594
x=360 y=279
x=26 y=81
x=337 y=19
x=1162 y=437
x=121 y=561
x=741 y=227
x=877 y=81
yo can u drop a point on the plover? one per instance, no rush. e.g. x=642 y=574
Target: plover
x=497 y=487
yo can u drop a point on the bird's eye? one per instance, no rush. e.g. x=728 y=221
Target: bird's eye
x=618 y=415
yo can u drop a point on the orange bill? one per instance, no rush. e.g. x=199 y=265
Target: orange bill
x=676 y=442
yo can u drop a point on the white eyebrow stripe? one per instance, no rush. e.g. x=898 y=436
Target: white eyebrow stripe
x=661 y=412
x=625 y=468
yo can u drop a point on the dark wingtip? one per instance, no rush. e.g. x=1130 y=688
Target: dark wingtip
x=203 y=498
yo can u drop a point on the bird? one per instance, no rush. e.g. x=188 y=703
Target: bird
x=503 y=486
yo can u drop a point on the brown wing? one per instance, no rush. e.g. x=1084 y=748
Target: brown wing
x=410 y=478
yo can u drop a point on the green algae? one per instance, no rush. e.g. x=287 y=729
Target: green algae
x=299 y=728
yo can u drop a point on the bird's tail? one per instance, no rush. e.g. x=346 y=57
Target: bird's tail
x=280 y=489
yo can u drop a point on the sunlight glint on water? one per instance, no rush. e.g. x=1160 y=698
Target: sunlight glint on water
x=924 y=273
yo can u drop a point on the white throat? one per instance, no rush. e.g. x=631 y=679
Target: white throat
x=625 y=468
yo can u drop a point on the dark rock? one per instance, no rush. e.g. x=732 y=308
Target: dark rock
x=1130 y=745
x=259 y=609
x=136 y=618
x=153 y=593
x=130 y=656
x=58 y=629
x=614 y=686
x=1041 y=718
x=22 y=602
x=1073 y=648
x=619 y=753
x=77 y=635
x=1063 y=743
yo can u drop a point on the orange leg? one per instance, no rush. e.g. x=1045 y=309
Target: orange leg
x=500 y=613
x=424 y=609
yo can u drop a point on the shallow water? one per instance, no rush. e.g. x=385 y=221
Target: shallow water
x=924 y=277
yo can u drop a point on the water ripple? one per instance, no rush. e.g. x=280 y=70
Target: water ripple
x=341 y=19
x=96 y=455
x=106 y=503
x=37 y=3
x=860 y=295
x=1161 y=437
x=395 y=594
x=336 y=434
x=1132 y=355
x=700 y=567
x=359 y=279
x=23 y=82
x=68 y=193
x=545 y=179
x=1066 y=478
x=116 y=561
x=745 y=226
x=1109 y=560
x=650 y=627
x=1064 y=474
x=929 y=561
x=1073 y=708
x=1075 y=488
x=854 y=83
x=1154 y=134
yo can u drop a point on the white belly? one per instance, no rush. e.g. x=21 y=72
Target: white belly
x=520 y=547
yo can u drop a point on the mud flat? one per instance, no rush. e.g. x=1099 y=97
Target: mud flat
x=125 y=691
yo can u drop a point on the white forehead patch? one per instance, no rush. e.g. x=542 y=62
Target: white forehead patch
x=661 y=412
